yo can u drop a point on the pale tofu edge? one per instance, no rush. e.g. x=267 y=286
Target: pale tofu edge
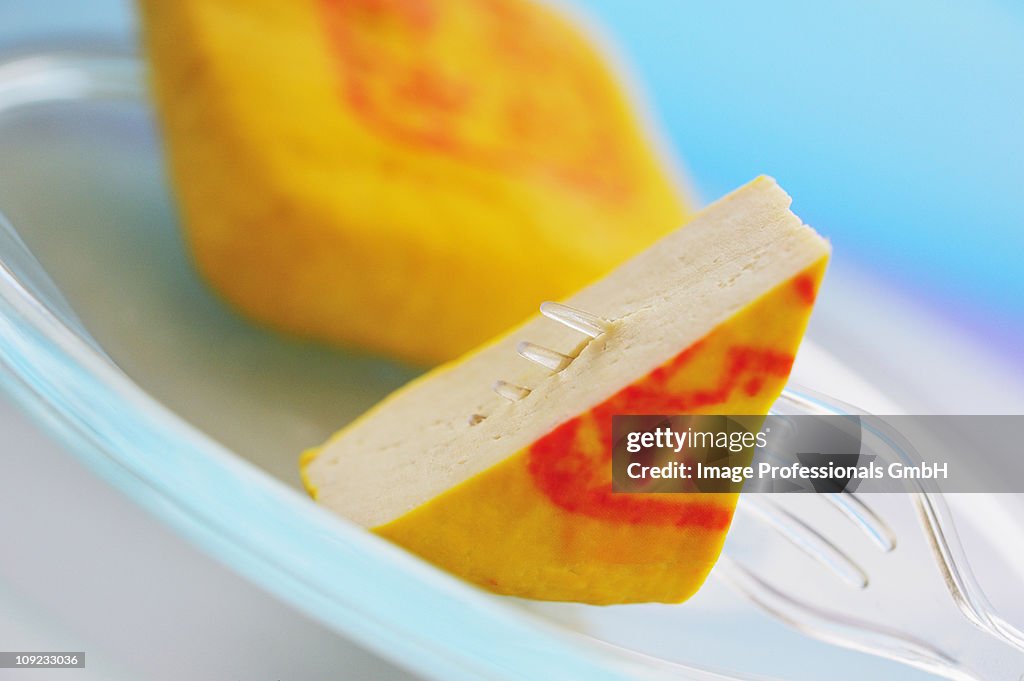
x=418 y=443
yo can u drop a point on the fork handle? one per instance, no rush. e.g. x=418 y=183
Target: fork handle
x=985 y=656
x=949 y=645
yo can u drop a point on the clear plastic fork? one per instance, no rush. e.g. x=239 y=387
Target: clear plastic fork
x=884 y=573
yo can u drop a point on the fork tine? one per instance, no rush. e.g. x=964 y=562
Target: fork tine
x=581 y=321
x=552 y=360
x=510 y=391
x=807 y=539
x=828 y=625
x=854 y=508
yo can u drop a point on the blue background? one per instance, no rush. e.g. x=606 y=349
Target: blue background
x=898 y=127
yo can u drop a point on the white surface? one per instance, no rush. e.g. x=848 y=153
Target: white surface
x=82 y=568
